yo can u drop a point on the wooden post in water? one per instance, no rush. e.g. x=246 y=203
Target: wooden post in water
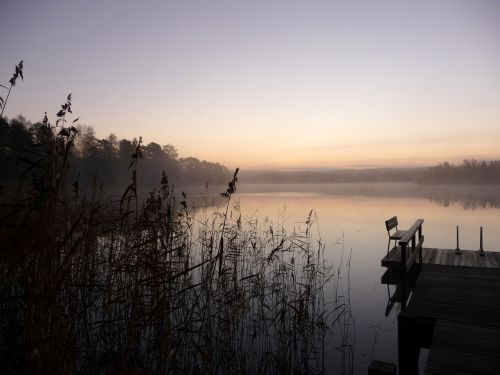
x=403 y=258
x=403 y=276
x=408 y=349
x=457 y=250
x=419 y=241
x=481 y=251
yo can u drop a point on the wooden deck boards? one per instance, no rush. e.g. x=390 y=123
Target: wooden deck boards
x=458 y=293
x=461 y=348
x=447 y=257
x=461 y=294
x=465 y=303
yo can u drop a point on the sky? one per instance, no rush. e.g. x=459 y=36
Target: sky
x=267 y=84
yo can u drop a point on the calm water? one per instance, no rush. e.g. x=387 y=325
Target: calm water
x=351 y=220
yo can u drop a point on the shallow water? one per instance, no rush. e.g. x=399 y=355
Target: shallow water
x=351 y=221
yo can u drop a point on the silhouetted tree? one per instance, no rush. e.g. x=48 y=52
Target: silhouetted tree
x=104 y=161
x=171 y=151
x=471 y=171
x=85 y=141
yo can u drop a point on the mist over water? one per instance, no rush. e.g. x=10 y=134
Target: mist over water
x=467 y=196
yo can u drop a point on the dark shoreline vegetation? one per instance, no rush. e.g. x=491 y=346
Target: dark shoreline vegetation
x=469 y=172
x=91 y=284
x=101 y=162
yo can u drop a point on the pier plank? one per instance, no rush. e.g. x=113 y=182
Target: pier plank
x=432 y=257
x=462 y=258
x=460 y=295
x=447 y=257
x=493 y=260
x=465 y=303
x=462 y=348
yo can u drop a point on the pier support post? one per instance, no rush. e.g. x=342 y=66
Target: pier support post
x=403 y=258
x=408 y=348
x=481 y=251
x=457 y=250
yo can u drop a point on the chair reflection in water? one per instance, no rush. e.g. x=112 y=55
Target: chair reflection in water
x=393 y=232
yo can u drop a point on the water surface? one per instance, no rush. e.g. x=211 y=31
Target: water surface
x=351 y=223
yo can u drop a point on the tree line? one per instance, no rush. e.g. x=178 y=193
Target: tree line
x=471 y=171
x=105 y=162
x=102 y=162
x=333 y=176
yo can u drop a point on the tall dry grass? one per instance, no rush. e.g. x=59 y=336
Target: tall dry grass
x=91 y=285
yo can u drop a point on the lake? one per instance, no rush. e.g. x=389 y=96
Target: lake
x=351 y=223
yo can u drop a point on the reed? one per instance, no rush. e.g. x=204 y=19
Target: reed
x=92 y=285
x=18 y=72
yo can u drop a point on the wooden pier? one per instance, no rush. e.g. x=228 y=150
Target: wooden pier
x=454 y=309
x=447 y=257
x=463 y=305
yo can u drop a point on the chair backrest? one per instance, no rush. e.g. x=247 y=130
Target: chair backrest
x=391 y=223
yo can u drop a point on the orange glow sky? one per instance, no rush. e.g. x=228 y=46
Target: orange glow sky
x=268 y=84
